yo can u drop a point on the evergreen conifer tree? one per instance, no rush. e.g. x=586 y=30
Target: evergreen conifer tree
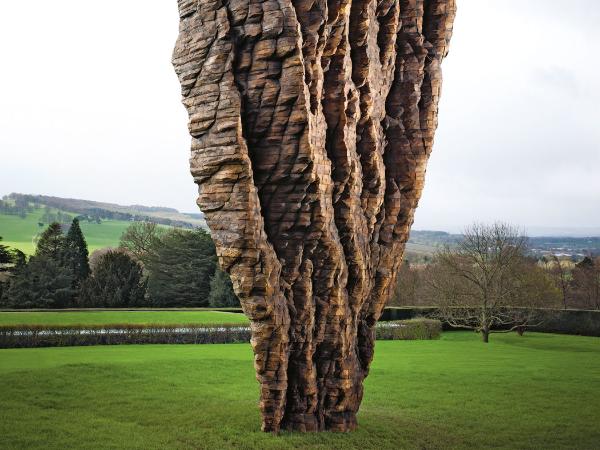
x=6 y=259
x=117 y=281
x=52 y=243
x=41 y=283
x=77 y=252
x=6 y=256
x=46 y=281
x=180 y=268
x=221 y=291
x=11 y=262
x=19 y=260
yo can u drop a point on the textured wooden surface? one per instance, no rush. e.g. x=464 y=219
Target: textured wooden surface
x=311 y=125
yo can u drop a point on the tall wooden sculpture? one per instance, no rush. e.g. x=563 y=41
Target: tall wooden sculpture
x=311 y=123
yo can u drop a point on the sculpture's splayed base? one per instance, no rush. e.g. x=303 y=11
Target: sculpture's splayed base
x=311 y=126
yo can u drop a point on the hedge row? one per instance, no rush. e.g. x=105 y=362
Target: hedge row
x=570 y=321
x=411 y=329
x=20 y=336
x=406 y=312
x=228 y=309
x=564 y=321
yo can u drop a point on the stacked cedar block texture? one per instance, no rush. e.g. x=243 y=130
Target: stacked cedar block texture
x=311 y=123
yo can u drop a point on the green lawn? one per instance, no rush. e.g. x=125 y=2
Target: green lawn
x=20 y=233
x=537 y=392
x=118 y=317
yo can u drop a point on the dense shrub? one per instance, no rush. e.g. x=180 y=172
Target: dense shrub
x=180 y=266
x=117 y=281
x=413 y=329
x=571 y=321
x=96 y=256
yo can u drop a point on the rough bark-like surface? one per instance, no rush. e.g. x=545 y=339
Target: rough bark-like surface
x=311 y=122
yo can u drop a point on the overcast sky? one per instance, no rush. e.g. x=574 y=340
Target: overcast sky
x=90 y=108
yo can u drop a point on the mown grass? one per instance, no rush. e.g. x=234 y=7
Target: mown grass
x=538 y=391
x=20 y=233
x=111 y=317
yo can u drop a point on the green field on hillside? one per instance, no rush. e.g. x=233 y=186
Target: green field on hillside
x=21 y=233
x=531 y=392
x=119 y=317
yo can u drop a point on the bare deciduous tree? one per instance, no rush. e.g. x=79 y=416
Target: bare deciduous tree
x=140 y=237
x=586 y=281
x=486 y=283
x=562 y=277
x=409 y=287
x=534 y=290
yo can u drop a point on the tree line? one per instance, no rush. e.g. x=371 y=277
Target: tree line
x=152 y=267
x=19 y=207
x=50 y=216
x=487 y=282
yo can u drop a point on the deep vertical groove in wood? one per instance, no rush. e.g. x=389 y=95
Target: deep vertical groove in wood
x=311 y=124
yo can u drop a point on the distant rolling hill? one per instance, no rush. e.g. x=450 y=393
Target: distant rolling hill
x=101 y=210
x=22 y=233
x=24 y=217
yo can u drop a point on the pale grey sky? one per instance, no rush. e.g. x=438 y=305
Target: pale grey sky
x=89 y=108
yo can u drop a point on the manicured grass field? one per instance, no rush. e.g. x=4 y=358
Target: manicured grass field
x=119 y=317
x=20 y=233
x=537 y=392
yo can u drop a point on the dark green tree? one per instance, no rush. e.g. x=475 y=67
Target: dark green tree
x=49 y=279
x=11 y=261
x=41 y=283
x=585 y=264
x=6 y=259
x=180 y=268
x=117 y=281
x=19 y=259
x=6 y=256
x=77 y=252
x=52 y=243
x=221 y=291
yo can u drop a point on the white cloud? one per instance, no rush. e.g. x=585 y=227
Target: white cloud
x=518 y=137
x=90 y=108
